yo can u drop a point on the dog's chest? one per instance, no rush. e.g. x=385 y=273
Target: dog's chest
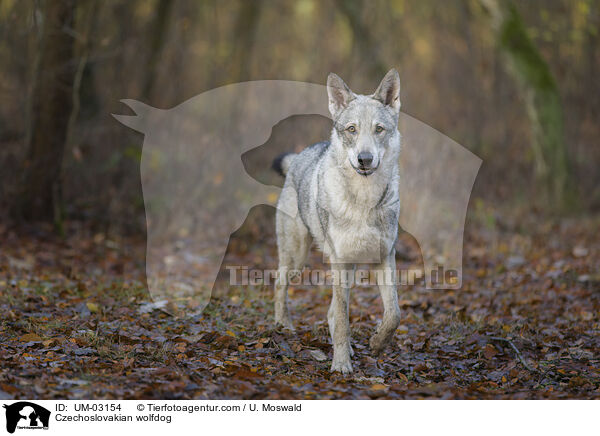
x=357 y=234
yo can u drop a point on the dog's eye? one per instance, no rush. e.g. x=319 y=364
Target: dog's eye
x=378 y=129
x=351 y=129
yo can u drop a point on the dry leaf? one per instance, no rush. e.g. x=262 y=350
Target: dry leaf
x=30 y=337
x=489 y=351
x=318 y=355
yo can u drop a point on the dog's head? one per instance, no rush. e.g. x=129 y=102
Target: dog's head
x=366 y=126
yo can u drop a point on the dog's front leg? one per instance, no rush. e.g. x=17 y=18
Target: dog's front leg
x=386 y=280
x=338 y=319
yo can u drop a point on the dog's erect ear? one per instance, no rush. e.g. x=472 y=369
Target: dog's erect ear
x=339 y=94
x=388 y=91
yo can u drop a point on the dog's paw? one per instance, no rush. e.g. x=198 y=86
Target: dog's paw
x=285 y=322
x=377 y=343
x=341 y=362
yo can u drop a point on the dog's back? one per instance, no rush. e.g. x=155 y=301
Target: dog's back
x=296 y=164
x=300 y=189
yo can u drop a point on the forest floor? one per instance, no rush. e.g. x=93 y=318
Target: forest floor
x=76 y=322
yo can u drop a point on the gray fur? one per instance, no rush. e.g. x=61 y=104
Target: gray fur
x=348 y=207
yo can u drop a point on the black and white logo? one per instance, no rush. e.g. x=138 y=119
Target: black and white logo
x=26 y=415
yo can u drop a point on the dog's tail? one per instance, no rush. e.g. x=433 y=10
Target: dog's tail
x=282 y=163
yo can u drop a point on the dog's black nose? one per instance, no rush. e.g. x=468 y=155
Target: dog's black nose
x=365 y=159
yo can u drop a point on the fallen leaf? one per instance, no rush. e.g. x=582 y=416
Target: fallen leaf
x=318 y=355
x=30 y=337
x=489 y=351
x=379 y=387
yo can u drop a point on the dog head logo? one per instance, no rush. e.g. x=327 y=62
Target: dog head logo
x=197 y=192
x=26 y=415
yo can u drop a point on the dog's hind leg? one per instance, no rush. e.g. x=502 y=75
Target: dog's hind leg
x=386 y=280
x=338 y=319
x=293 y=242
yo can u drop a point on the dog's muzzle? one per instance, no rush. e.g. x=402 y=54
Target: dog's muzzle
x=364 y=171
x=365 y=159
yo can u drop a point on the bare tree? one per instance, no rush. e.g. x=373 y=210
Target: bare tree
x=544 y=109
x=51 y=105
x=362 y=38
x=244 y=34
x=158 y=31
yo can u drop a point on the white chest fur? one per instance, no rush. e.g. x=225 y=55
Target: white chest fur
x=356 y=232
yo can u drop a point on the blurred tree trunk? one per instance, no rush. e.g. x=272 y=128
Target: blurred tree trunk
x=544 y=109
x=244 y=34
x=89 y=12
x=362 y=38
x=51 y=104
x=157 y=40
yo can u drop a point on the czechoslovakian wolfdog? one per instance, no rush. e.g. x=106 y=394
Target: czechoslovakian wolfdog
x=345 y=197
